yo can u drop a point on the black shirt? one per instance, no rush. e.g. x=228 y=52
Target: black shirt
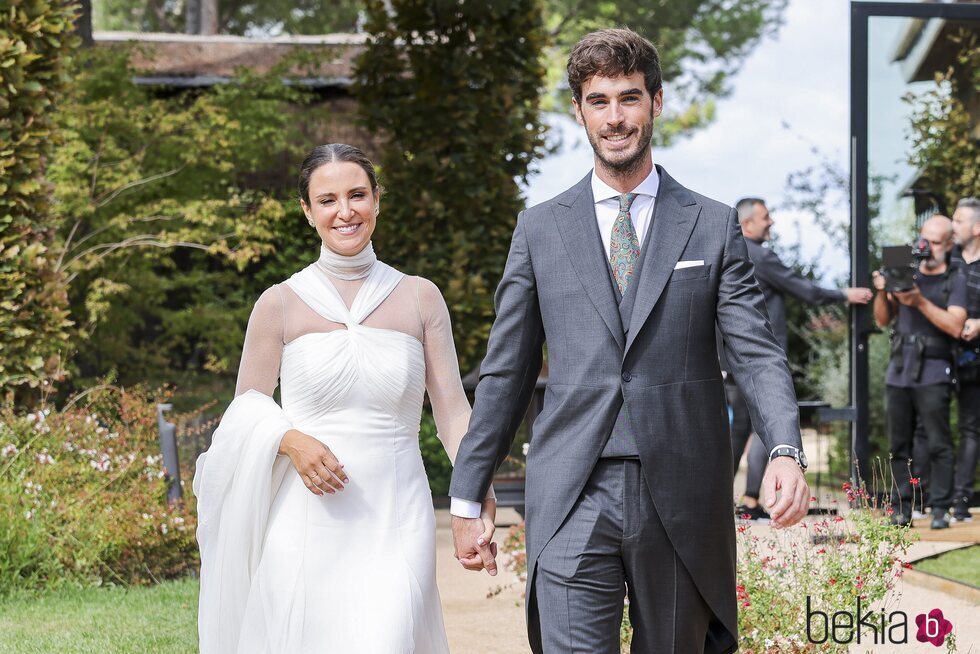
x=972 y=272
x=913 y=321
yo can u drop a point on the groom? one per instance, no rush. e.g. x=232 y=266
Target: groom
x=629 y=475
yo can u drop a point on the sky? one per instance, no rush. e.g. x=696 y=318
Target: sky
x=790 y=96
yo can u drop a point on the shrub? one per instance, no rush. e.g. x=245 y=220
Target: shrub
x=833 y=561
x=83 y=497
x=36 y=41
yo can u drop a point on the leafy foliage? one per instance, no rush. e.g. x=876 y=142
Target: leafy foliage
x=457 y=103
x=36 y=41
x=702 y=43
x=944 y=143
x=165 y=201
x=245 y=17
x=83 y=497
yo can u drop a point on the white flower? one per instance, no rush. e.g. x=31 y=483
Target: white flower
x=44 y=458
x=525 y=448
x=163 y=528
x=29 y=515
x=146 y=516
x=769 y=642
x=9 y=450
x=31 y=417
x=102 y=465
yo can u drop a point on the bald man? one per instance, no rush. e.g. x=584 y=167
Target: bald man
x=928 y=320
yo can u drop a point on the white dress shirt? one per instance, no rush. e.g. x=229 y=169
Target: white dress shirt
x=607 y=207
x=606 y=210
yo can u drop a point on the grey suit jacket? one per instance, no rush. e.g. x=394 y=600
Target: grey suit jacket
x=664 y=366
x=776 y=279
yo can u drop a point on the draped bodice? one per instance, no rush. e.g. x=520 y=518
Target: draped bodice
x=359 y=379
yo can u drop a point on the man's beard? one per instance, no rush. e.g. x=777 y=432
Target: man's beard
x=630 y=164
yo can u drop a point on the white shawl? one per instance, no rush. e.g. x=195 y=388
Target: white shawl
x=235 y=483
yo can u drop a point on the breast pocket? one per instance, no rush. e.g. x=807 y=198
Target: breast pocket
x=690 y=273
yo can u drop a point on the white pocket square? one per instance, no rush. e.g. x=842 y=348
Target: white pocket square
x=688 y=264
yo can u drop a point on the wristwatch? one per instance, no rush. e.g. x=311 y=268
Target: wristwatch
x=795 y=453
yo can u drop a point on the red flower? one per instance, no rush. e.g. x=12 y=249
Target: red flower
x=914 y=481
x=845 y=486
x=831 y=581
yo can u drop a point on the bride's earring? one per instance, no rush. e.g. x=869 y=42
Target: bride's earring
x=309 y=220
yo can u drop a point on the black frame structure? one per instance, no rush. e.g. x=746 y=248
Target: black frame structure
x=861 y=14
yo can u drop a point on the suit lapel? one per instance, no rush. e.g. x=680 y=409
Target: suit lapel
x=579 y=232
x=675 y=213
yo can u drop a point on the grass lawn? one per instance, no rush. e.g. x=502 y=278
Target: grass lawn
x=961 y=565
x=158 y=620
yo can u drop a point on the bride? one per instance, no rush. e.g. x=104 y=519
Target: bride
x=316 y=525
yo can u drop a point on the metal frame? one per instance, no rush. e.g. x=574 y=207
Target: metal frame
x=861 y=14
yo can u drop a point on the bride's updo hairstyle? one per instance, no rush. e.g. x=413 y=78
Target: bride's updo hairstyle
x=333 y=153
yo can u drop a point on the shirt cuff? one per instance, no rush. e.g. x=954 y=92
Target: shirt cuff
x=464 y=508
x=779 y=446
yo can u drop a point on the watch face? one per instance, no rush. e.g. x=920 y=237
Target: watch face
x=803 y=459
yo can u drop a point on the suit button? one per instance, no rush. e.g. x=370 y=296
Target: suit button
x=627 y=377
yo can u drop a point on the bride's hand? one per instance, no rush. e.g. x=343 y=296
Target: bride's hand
x=488 y=513
x=317 y=466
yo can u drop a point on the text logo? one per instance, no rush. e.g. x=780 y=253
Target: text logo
x=933 y=627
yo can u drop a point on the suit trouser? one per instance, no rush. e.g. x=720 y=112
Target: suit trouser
x=741 y=431
x=931 y=404
x=612 y=544
x=969 y=424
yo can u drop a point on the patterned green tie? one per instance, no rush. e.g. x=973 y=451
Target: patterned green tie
x=624 y=247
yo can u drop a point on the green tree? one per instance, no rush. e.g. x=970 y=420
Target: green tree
x=36 y=41
x=702 y=44
x=457 y=103
x=167 y=203
x=944 y=131
x=245 y=17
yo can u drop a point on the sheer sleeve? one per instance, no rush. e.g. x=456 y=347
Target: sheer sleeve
x=262 y=352
x=450 y=407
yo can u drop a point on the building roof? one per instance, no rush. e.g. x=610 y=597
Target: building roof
x=189 y=60
x=924 y=47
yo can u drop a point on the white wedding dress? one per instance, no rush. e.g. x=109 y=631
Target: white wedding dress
x=286 y=571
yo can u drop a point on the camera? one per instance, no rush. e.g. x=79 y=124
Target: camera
x=901 y=262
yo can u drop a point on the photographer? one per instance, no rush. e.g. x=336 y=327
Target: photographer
x=930 y=317
x=966 y=230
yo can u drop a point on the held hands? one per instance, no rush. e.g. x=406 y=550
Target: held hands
x=785 y=476
x=472 y=539
x=878 y=280
x=317 y=466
